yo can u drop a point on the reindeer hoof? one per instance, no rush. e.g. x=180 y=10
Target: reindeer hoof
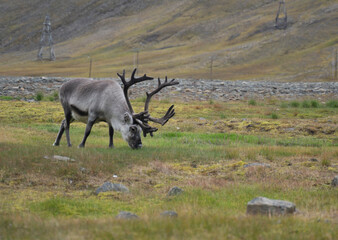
x=56 y=144
x=81 y=146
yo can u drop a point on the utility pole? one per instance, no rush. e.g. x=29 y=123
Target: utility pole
x=136 y=55
x=46 y=40
x=90 y=67
x=334 y=65
x=211 y=66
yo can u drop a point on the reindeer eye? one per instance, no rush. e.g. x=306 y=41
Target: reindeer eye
x=133 y=129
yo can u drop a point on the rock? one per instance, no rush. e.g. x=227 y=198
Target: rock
x=169 y=214
x=108 y=186
x=188 y=90
x=313 y=160
x=266 y=206
x=175 y=191
x=193 y=164
x=60 y=158
x=256 y=165
x=126 y=215
x=334 y=182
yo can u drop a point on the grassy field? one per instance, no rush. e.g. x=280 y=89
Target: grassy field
x=202 y=150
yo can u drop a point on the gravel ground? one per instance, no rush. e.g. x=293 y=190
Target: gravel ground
x=187 y=90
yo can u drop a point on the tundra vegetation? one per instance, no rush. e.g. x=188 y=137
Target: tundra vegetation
x=203 y=150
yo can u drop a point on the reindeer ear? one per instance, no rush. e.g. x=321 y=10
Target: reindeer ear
x=127 y=118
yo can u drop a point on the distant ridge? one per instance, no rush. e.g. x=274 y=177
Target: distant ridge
x=232 y=40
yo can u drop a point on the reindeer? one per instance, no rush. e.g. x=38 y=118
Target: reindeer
x=91 y=101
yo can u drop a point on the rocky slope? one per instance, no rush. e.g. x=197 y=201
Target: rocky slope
x=187 y=90
x=181 y=38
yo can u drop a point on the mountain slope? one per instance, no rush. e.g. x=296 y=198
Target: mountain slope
x=178 y=38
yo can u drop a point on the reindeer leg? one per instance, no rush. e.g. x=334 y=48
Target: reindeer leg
x=111 y=134
x=90 y=124
x=62 y=129
x=66 y=126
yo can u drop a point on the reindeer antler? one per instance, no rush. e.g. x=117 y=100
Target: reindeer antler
x=146 y=128
x=144 y=117
x=171 y=111
x=128 y=84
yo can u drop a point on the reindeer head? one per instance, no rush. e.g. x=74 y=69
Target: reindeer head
x=132 y=132
x=140 y=120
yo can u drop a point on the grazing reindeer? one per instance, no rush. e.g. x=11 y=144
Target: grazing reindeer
x=91 y=101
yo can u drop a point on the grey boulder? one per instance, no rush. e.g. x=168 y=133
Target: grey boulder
x=169 y=214
x=266 y=206
x=334 y=182
x=126 y=215
x=256 y=165
x=175 y=191
x=108 y=186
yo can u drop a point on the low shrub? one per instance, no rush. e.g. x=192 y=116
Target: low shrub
x=284 y=105
x=314 y=103
x=39 y=96
x=274 y=116
x=252 y=102
x=6 y=98
x=332 y=104
x=295 y=104
x=306 y=104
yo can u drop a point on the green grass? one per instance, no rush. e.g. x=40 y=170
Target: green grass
x=235 y=139
x=252 y=102
x=332 y=104
x=90 y=207
x=41 y=197
x=314 y=103
x=202 y=213
x=231 y=200
x=274 y=116
x=304 y=104
x=206 y=227
x=39 y=96
x=6 y=98
x=294 y=104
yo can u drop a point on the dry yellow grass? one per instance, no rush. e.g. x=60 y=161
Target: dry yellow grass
x=178 y=38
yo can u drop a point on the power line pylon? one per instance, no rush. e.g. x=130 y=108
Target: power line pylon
x=281 y=21
x=46 y=40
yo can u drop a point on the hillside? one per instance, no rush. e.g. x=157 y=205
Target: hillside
x=177 y=38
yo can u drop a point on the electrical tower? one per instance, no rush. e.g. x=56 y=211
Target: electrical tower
x=46 y=40
x=282 y=17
